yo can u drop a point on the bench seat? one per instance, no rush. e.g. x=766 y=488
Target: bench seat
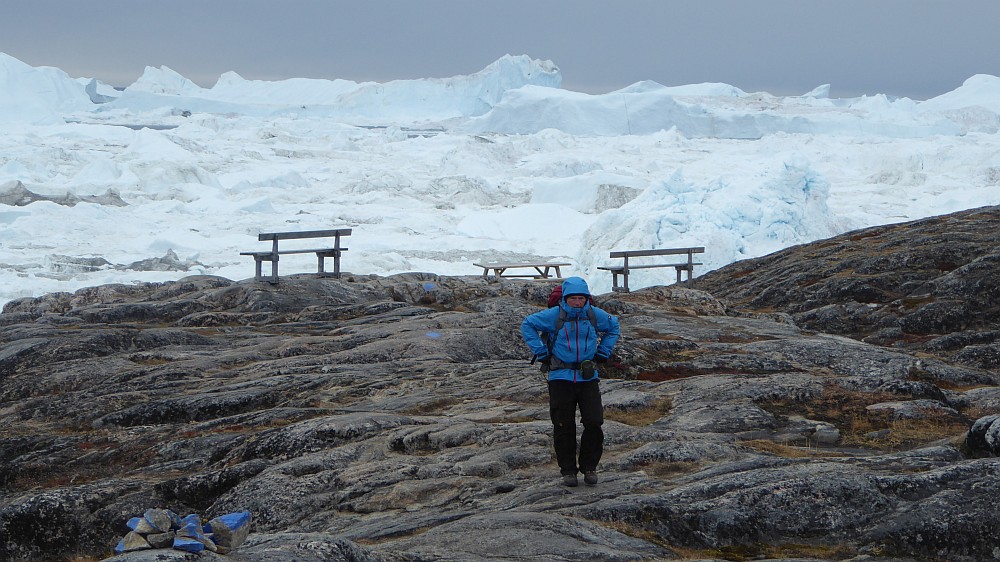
x=329 y=251
x=621 y=268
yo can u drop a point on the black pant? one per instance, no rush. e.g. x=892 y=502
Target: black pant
x=564 y=397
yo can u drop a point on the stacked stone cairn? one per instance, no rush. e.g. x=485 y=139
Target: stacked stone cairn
x=162 y=528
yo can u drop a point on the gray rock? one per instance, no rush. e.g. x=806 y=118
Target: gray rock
x=528 y=536
x=913 y=409
x=928 y=284
x=161 y=540
x=397 y=418
x=983 y=437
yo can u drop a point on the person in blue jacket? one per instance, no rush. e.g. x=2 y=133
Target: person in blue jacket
x=577 y=337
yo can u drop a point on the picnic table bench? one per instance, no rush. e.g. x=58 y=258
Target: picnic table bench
x=543 y=270
x=625 y=268
x=273 y=254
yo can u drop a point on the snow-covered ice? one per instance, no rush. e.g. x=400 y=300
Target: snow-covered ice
x=167 y=179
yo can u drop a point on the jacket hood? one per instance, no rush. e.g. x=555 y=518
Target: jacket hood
x=574 y=286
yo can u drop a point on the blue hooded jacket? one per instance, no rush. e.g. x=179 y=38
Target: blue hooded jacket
x=577 y=340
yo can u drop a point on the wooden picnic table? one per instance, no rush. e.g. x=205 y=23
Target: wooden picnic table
x=543 y=270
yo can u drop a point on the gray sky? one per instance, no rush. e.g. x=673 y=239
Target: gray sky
x=913 y=48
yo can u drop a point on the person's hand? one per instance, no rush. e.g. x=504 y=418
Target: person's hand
x=545 y=360
x=600 y=359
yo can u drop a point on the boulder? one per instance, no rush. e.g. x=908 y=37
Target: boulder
x=983 y=438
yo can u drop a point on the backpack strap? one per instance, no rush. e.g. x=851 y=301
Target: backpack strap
x=560 y=322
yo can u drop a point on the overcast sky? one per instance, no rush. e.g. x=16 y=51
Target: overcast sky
x=913 y=48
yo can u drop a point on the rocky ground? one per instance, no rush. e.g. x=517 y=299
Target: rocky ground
x=397 y=418
x=930 y=285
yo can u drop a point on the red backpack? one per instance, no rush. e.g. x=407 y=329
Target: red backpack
x=555 y=296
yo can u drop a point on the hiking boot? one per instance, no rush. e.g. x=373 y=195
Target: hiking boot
x=590 y=477
x=570 y=480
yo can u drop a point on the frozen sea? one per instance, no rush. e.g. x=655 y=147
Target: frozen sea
x=167 y=179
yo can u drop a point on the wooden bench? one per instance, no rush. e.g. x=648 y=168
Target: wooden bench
x=321 y=253
x=625 y=268
x=543 y=270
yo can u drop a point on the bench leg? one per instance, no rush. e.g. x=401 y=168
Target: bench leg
x=258 y=266
x=614 y=282
x=681 y=268
x=321 y=263
x=336 y=258
x=625 y=275
x=274 y=261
